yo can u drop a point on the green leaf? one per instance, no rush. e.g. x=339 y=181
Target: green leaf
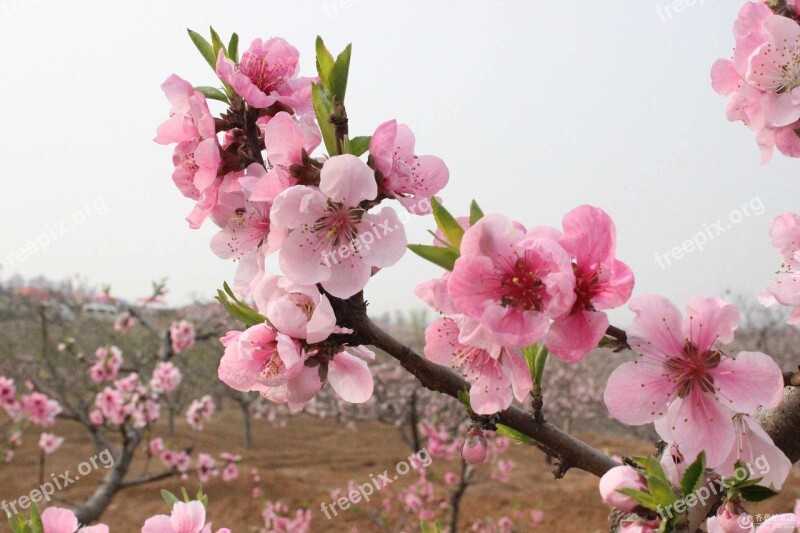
x=359 y=145
x=169 y=498
x=653 y=470
x=447 y=223
x=644 y=499
x=36 y=525
x=323 y=111
x=661 y=491
x=233 y=47
x=19 y=524
x=216 y=42
x=240 y=311
x=536 y=357
x=213 y=93
x=185 y=495
x=757 y=493
x=205 y=48
x=514 y=434
x=325 y=64
x=443 y=257
x=693 y=476
x=341 y=70
x=475 y=213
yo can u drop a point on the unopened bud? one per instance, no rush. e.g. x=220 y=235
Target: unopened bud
x=474 y=448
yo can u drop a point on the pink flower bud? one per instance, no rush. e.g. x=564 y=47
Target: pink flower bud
x=732 y=518
x=621 y=477
x=474 y=449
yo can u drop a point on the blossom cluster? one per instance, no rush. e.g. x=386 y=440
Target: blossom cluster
x=513 y=287
x=31 y=408
x=323 y=216
x=762 y=79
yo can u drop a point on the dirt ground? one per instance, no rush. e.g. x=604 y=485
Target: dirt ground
x=301 y=463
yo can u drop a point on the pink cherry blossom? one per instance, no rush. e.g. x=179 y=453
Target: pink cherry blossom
x=496 y=375
x=602 y=282
x=333 y=241
x=206 y=467
x=96 y=417
x=754 y=446
x=287 y=147
x=785 y=289
x=185 y=518
x=219 y=201
x=298 y=311
x=197 y=156
x=512 y=281
x=199 y=410
x=156 y=446
x=621 y=477
x=125 y=322
x=259 y=359
x=684 y=382
x=409 y=178
x=759 y=79
x=775 y=69
x=8 y=391
x=182 y=334
x=49 y=443
x=166 y=377
x=55 y=520
x=40 y=409
x=266 y=73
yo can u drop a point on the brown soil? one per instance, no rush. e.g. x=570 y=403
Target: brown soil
x=301 y=463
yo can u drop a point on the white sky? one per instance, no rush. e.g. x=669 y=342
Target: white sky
x=536 y=107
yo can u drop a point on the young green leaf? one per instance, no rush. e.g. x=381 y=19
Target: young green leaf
x=653 y=470
x=661 y=491
x=443 y=257
x=213 y=93
x=36 y=525
x=359 y=145
x=341 y=70
x=644 y=499
x=757 y=493
x=447 y=223
x=169 y=498
x=536 y=357
x=693 y=477
x=513 y=434
x=205 y=48
x=475 y=213
x=233 y=47
x=323 y=111
x=216 y=43
x=325 y=64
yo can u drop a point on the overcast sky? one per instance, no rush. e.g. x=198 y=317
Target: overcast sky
x=536 y=108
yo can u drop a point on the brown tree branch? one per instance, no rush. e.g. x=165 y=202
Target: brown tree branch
x=571 y=452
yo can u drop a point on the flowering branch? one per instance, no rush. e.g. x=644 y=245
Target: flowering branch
x=571 y=452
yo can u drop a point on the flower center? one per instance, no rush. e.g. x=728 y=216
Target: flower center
x=586 y=287
x=521 y=287
x=339 y=225
x=267 y=77
x=692 y=369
